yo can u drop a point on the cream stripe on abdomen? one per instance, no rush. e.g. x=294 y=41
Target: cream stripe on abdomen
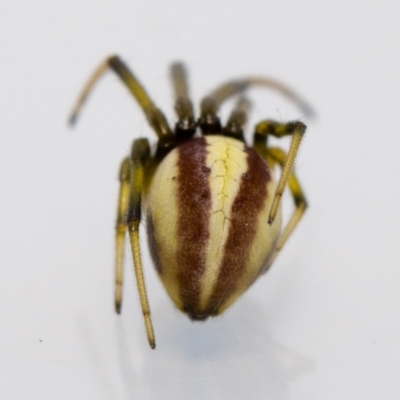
x=162 y=226
x=227 y=162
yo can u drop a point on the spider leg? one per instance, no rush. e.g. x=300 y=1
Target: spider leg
x=121 y=227
x=185 y=128
x=154 y=116
x=295 y=129
x=231 y=88
x=236 y=121
x=209 y=121
x=129 y=216
x=276 y=155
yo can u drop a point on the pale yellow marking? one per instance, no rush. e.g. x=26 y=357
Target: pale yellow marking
x=228 y=162
x=164 y=210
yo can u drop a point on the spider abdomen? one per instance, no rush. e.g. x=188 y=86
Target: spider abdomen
x=208 y=206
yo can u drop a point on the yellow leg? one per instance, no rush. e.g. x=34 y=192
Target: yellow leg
x=154 y=116
x=276 y=155
x=137 y=261
x=296 y=130
x=139 y=157
x=129 y=215
x=125 y=182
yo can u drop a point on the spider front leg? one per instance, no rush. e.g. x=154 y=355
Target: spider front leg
x=153 y=114
x=132 y=176
x=295 y=129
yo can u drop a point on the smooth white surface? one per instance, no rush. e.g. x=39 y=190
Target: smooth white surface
x=322 y=324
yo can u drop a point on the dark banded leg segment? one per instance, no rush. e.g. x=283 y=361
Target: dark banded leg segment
x=123 y=201
x=234 y=128
x=296 y=130
x=139 y=157
x=209 y=121
x=185 y=128
x=154 y=116
x=276 y=155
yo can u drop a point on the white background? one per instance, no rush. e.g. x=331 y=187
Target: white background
x=322 y=324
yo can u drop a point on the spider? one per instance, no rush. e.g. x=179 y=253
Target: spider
x=211 y=203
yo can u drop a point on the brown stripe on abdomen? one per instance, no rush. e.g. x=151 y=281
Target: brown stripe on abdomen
x=194 y=199
x=246 y=208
